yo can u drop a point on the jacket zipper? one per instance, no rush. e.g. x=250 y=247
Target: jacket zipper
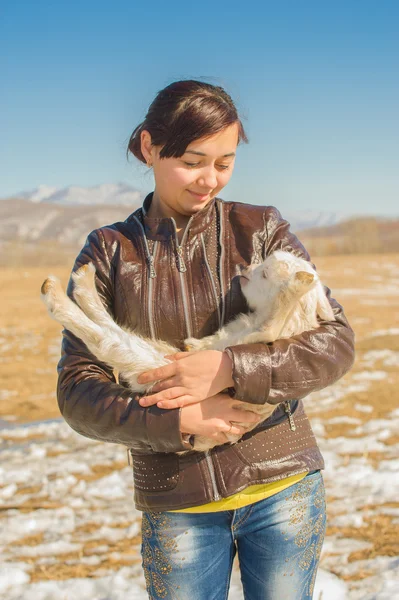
x=219 y=208
x=152 y=274
x=150 y=289
x=287 y=409
x=221 y=260
x=211 y=278
x=182 y=269
x=216 y=495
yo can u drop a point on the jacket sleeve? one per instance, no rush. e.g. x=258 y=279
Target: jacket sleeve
x=90 y=399
x=292 y=368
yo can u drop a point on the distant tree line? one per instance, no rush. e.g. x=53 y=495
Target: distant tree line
x=361 y=235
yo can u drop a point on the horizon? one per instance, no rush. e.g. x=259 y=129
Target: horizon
x=345 y=214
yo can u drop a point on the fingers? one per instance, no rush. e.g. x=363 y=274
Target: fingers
x=245 y=416
x=221 y=438
x=159 y=373
x=163 y=385
x=163 y=396
x=178 y=402
x=237 y=430
x=177 y=356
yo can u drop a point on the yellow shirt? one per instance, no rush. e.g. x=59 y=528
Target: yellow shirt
x=251 y=494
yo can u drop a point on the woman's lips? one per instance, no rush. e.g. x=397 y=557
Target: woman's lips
x=199 y=196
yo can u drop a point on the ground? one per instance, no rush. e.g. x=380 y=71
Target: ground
x=66 y=508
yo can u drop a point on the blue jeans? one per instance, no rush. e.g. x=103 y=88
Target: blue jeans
x=189 y=556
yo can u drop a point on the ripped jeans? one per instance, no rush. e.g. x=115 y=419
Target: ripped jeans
x=189 y=556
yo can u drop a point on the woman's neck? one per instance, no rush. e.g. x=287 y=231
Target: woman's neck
x=158 y=210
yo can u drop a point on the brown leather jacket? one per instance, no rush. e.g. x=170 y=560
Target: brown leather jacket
x=162 y=289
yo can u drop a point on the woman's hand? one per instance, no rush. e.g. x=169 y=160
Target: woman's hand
x=190 y=378
x=213 y=417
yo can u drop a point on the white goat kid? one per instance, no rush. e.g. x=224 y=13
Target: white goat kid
x=286 y=295
x=284 y=292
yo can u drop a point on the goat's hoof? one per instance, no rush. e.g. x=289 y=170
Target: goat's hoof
x=46 y=286
x=191 y=344
x=83 y=271
x=49 y=290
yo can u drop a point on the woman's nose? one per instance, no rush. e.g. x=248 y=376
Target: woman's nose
x=209 y=178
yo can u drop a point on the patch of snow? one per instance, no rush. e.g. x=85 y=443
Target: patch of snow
x=51 y=549
x=118 y=586
x=365 y=408
x=385 y=290
x=112 y=486
x=344 y=419
x=106 y=504
x=8 y=491
x=11 y=576
x=61 y=520
x=6 y=394
x=390 y=358
x=372 y=375
x=329 y=587
x=390 y=331
x=360 y=320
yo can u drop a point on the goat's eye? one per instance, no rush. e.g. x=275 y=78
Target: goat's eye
x=264 y=274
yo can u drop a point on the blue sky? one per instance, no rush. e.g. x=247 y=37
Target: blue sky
x=316 y=84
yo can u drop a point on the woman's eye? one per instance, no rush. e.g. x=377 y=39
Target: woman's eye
x=196 y=165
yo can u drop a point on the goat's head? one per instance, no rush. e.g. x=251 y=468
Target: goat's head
x=280 y=274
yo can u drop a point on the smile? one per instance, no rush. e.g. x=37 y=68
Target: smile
x=199 y=196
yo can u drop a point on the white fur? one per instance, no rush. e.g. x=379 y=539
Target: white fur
x=286 y=296
x=284 y=292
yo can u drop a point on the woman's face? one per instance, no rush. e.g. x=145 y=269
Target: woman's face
x=204 y=169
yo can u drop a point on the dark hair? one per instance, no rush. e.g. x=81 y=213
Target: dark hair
x=182 y=112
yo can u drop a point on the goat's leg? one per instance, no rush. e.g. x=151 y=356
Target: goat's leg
x=128 y=353
x=86 y=295
x=226 y=336
x=61 y=308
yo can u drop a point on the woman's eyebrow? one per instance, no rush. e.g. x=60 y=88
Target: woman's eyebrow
x=203 y=154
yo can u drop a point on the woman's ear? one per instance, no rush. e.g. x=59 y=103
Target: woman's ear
x=323 y=308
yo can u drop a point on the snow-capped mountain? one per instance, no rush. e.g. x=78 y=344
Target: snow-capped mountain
x=110 y=194
x=28 y=221
x=122 y=194
x=40 y=194
x=67 y=215
x=309 y=219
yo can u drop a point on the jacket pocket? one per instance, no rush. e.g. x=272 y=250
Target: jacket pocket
x=276 y=442
x=155 y=472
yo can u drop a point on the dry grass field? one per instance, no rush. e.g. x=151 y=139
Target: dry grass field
x=354 y=420
x=30 y=340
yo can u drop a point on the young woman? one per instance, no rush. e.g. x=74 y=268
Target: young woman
x=170 y=271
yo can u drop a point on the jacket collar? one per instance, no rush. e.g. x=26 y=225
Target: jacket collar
x=163 y=227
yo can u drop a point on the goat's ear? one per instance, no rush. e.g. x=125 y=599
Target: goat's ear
x=304 y=277
x=324 y=309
